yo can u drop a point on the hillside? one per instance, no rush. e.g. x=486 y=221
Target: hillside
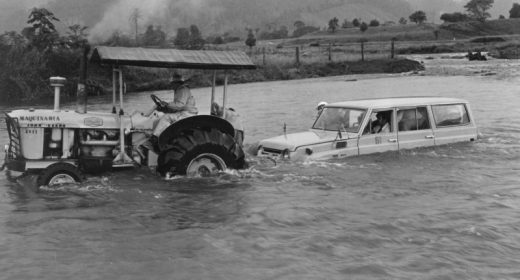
x=414 y=32
x=487 y=28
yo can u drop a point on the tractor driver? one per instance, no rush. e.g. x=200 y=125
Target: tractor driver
x=182 y=106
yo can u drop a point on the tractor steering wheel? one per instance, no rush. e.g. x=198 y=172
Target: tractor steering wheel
x=162 y=106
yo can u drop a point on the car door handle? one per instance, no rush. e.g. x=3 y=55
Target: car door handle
x=393 y=140
x=429 y=137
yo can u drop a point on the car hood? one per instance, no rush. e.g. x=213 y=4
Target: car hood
x=293 y=140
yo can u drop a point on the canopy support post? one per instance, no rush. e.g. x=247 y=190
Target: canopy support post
x=213 y=90
x=121 y=110
x=114 y=81
x=224 y=97
x=122 y=159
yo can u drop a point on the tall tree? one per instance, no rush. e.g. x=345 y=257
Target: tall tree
x=363 y=27
x=374 y=23
x=196 y=41
x=77 y=35
x=418 y=17
x=42 y=34
x=134 y=19
x=182 y=39
x=478 y=8
x=333 y=24
x=356 y=22
x=251 y=40
x=515 y=11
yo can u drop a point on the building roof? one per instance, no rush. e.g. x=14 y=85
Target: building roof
x=397 y=102
x=171 y=58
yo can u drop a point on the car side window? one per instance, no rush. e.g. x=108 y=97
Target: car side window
x=413 y=119
x=449 y=115
x=379 y=122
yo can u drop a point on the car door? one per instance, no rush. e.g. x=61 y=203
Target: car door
x=414 y=128
x=453 y=124
x=377 y=142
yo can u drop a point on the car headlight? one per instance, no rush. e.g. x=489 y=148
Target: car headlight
x=285 y=154
x=260 y=151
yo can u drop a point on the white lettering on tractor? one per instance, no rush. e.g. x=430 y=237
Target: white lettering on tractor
x=40 y=118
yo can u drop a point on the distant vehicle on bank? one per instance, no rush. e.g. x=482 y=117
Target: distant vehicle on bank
x=377 y=125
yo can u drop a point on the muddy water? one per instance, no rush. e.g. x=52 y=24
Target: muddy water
x=449 y=212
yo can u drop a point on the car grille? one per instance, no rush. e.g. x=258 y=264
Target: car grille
x=13 y=128
x=272 y=151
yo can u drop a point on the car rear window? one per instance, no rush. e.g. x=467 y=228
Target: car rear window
x=450 y=115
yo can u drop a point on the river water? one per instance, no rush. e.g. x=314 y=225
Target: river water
x=450 y=212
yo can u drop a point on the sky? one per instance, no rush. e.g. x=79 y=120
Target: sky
x=105 y=16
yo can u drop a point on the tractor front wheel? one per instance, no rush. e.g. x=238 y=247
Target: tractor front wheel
x=59 y=173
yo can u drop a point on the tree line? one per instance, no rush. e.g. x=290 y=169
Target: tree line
x=475 y=10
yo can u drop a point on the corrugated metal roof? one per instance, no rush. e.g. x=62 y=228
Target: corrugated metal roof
x=172 y=58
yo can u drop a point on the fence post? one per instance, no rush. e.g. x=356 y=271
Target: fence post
x=263 y=55
x=362 y=51
x=393 y=49
x=330 y=52
x=297 y=56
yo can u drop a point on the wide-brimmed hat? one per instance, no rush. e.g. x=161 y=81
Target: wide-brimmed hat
x=177 y=78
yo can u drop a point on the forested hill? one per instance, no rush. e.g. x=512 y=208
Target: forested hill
x=212 y=16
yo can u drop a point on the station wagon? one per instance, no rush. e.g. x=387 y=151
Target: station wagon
x=377 y=125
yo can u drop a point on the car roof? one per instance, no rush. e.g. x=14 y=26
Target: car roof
x=397 y=102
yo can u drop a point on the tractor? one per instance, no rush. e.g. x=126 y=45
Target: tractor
x=59 y=146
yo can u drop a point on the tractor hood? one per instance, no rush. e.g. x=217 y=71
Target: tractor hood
x=294 y=140
x=66 y=119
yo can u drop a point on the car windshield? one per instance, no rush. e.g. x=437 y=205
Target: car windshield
x=344 y=119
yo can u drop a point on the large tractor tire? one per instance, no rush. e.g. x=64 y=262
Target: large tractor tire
x=200 y=152
x=57 y=174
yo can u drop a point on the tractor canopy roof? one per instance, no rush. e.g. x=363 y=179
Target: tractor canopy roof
x=171 y=58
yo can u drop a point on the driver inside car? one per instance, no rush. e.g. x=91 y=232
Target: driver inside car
x=182 y=106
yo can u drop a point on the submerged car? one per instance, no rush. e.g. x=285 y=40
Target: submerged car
x=377 y=125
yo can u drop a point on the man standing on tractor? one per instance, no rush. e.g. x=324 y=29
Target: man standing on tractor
x=182 y=106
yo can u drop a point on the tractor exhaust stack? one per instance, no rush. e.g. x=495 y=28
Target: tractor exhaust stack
x=57 y=83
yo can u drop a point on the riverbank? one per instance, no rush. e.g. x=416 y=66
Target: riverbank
x=273 y=72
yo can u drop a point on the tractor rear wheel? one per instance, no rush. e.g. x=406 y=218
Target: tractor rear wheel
x=200 y=152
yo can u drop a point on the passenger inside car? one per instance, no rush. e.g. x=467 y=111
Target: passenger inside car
x=380 y=122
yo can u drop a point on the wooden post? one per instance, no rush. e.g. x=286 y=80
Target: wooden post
x=297 y=56
x=330 y=51
x=263 y=55
x=362 y=51
x=393 y=49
